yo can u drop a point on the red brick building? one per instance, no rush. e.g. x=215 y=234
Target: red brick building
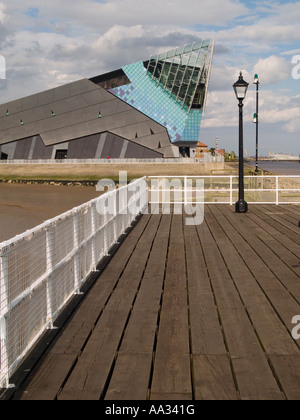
x=201 y=149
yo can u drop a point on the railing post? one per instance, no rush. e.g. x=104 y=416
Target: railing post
x=94 y=229
x=77 y=282
x=49 y=262
x=231 y=192
x=4 y=339
x=185 y=191
x=145 y=205
x=277 y=190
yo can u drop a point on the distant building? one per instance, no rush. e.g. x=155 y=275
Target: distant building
x=201 y=150
x=149 y=109
x=221 y=152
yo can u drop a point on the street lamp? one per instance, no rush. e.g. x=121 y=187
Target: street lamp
x=255 y=118
x=240 y=88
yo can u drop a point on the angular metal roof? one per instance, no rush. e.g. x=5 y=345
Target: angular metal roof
x=72 y=111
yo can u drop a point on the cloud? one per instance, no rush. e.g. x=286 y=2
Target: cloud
x=273 y=70
x=46 y=44
x=3 y=15
x=94 y=14
x=275 y=108
x=91 y=17
x=263 y=32
x=279 y=108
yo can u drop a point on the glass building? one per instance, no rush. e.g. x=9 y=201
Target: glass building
x=171 y=88
x=146 y=110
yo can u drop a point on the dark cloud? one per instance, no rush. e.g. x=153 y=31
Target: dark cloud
x=222 y=49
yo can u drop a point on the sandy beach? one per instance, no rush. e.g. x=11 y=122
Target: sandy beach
x=24 y=206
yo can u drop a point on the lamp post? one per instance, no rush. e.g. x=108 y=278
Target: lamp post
x=255 y=118
x=240 y=88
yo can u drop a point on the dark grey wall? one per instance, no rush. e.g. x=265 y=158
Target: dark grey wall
x=97 y=146
x=76 y=107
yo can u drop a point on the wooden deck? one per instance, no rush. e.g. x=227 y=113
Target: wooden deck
x=186 y=313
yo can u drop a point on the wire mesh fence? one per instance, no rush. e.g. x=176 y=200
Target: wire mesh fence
x=42 y=269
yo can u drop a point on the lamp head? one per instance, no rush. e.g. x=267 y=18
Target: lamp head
x=240 y=88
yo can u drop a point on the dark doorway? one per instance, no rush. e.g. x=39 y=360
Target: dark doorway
x=184 y=152
x=61 y=154
x=4 y=156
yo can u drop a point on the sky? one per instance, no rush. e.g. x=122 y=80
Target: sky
x=45 y=44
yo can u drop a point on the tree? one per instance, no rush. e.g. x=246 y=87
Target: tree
x=212 y=151
x=232 y=156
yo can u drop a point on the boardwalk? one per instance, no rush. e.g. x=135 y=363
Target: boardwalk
x=186 y=313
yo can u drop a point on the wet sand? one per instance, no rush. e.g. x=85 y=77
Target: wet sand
x=24 y=206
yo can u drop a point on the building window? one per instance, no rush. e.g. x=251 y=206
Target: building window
x=61 y=154
x=184 y=152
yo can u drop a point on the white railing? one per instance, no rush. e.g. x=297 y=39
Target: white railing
x=43 y=268
x=223 y=189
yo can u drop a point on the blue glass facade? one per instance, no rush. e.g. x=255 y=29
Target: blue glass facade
x=144 y=94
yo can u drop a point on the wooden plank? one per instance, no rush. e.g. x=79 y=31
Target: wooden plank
x=90 y=374
x=262 y=314
x=164 y=396
x=132 y=378
x=268 y=217
x=150 y=292
x=221 y=281
x=287 y=215
x=265 y=266
x=274 y=213
x=294 y=209
x=213 y=378
x=202 y=309
x=171 y=376
x=287 y=369
x=140 y=333
x=172 y=372
x=289 y=244
x=253 y=382
x=274 y=243
x=46 y=384
x=240 y=336
x=132 y=371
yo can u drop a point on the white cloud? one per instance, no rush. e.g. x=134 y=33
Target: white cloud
x=262 y=33
x=53 y=42
x=274 y=108
x=3 y=15
x=101 y=15
x=273 y=70
x=279 y=108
